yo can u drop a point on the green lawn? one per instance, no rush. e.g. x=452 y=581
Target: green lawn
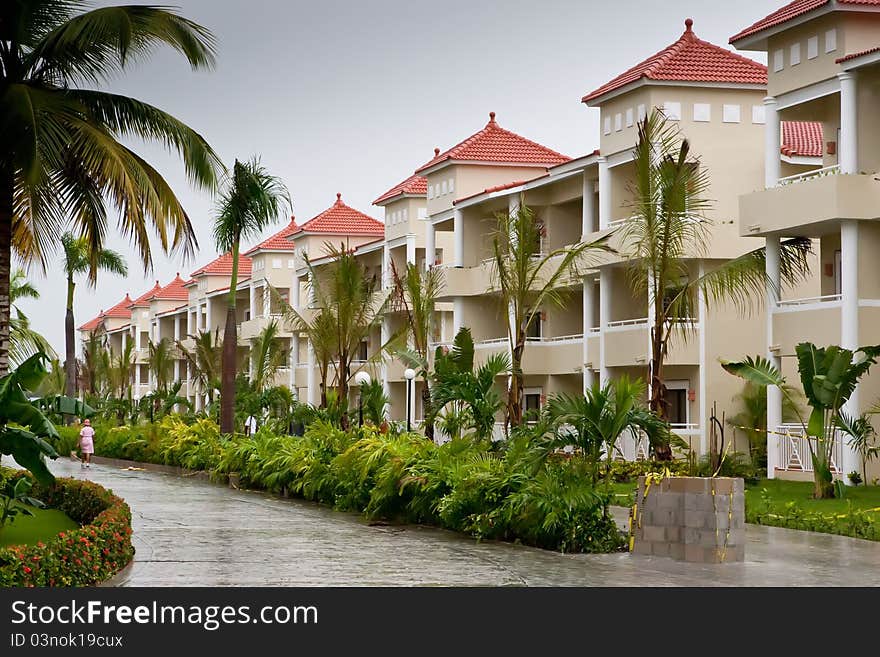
x=45 y=525
x=801 y=492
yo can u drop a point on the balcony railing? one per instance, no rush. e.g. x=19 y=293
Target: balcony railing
x=577 y=337
x=807 y=301
x=794 y=449
x=627 y=323
x=809 y=175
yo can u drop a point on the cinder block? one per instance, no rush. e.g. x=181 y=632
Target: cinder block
x=673 y=534
x=654 y=533
x=660 y=549
x=642 y=547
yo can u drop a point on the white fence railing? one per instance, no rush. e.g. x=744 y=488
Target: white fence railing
x=809 y=175
x=794 y=449
x=627 y=323
x=809 y=301
x=631 y=447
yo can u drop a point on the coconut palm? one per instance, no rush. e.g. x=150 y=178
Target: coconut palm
x=319 y=328
x=669 y=232
x=160 y=362
x=527 y=281
x=205 y=360
x=24 y=341
x=61 y=150
x=78 y=261
x=251 y=199
x=90 y=365
x=268 y=355
x=415 y=295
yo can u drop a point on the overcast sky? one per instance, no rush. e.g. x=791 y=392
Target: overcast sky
x=352 y=96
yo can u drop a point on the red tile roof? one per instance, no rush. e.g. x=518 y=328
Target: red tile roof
x=856 y=55
x=415 y=185
x=793 y=10
x=495 y=144
x=144 y=299
x=222 y=266
x=91 y=325
x=803 y=138
x=341 y=219
x=121 y=310
x=689 y=60
x=174 y=291
x=497 y=188
x=278 y=241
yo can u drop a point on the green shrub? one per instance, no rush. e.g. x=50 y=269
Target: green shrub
x=81 y=557
x=858 y=523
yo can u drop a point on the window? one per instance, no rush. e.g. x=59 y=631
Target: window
x=795 y=54
x=532 y=402
x=702 y=112
x=838 y=287
x=533 y=330
x=404 y=214
x=758 y=112
x=812 y=47
x=676 y=405
x=672 y=110
x=276 y=263
x=362 y=350
x=778 y=60
x=443 y=187
x=247 y=315
x=451 y=185
x=830 y=40
x=291 y=264
x=629 y=118
x=641 y=112
x=618 y=122
x=430 y=191
x=731 y=114
x=606 y=128
x=423 y=213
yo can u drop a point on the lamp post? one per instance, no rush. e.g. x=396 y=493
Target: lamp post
x=409 y=374
x=361 y=378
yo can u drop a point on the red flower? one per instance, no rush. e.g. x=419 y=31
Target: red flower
x=26 y=569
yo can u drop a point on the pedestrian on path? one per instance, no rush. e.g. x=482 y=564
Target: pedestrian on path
x=86 y=444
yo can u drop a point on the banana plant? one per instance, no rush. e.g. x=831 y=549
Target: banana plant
x=24 y=428
x=829 y=376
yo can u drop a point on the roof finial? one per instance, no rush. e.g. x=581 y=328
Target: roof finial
x=339 y=197
x=491 y=117
x=688 y=24
x=177 y=275
x=436 y=152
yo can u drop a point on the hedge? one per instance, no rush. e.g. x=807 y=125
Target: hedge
x=80 y=557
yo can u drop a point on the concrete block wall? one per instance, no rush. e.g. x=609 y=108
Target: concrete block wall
x=697 y=519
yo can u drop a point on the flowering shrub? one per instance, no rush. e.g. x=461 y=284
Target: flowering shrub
x=80 y=557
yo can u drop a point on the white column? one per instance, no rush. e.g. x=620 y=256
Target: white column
x=410 y=249
x=849 y=141
x=849 y=322
x=774 y=396
x=208 y=326
x=267 y=299
x=589 y=319
x=604 y=194
x=702 y=313
x=588 y=213
x=430 y=245
x=458 y=228
x=772 y=143
x=291 y=364
x=314 y=396
x=651 y=317
x=386 y=266
x=189 y=321
x=457 y=315
x=137 y=337
x=253 y=301
x=604 y=318
x=176 y=327
x=295 y=292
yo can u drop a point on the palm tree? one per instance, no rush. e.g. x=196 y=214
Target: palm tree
x=593 y=422
x=268 y=355
x=77 y=261
x=160 y=361
x=320 y=331
x=668 y=232
x=24 y=341
x=528 y=280
x=251 y=200
x=61 y=150
x=416 y=296
x=205 y=361
x=92 y=350
x=121 y=369
x=351 y=305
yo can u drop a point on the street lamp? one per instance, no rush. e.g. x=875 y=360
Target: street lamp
x=361 y=378
x=409 y=374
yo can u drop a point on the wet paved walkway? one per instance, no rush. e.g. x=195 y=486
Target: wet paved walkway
x=189 y=532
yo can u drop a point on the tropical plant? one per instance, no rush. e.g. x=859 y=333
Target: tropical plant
x=205 y=361
x=268 y=355
x=15 y=500
x=374 y=400
x=415 y=295
x=90 y=366
x=351 y=304
x=666 y=235
x=829 y=375
x=454 y=420
x=61 y=150
x=250 y=200
x=456 y=381
x=862 y=438
x=160 y=362
x=751 y=418
x=594 y=422
x=78 y=261
x=23 y=340
x=23 y=427
x=527 y=281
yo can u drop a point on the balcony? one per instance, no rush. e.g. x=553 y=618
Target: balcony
x=627 y=343
x=812 y=319
x=809 y=204
x=253 y=327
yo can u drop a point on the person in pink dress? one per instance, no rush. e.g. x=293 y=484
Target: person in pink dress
x=86 y=444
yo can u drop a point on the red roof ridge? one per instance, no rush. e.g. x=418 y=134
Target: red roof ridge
x=689 y=59
x=791 y=11
x=278 y=241
x=342 y=219
x=803 y=138
x=856 y=55
x=496 y=144
x=415 y=185
x=222 y=266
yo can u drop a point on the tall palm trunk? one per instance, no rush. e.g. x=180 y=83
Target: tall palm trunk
x=7 y=186
x=515 y=388
x=230 y=348
x=69 y=342
x=657 y=402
